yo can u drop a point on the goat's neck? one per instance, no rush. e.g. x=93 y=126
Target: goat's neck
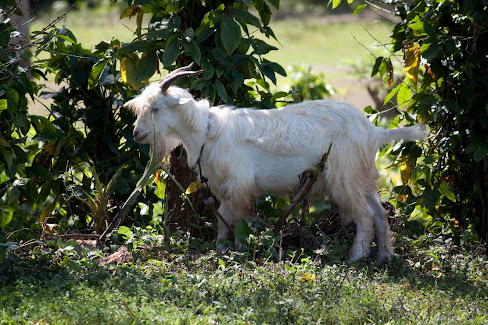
x=193 y=137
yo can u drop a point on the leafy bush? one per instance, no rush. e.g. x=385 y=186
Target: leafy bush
x=208 y=33
x=444 y=45
x=48 y=162
x=17 y=186
x=46 y=159
x=306 y=85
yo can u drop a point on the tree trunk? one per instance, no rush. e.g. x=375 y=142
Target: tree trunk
x=180 y=214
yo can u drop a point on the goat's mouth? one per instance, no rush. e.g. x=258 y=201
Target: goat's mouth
x=141 y=138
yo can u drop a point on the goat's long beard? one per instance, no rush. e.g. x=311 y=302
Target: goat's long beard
x=158 y=153
x=163 y=147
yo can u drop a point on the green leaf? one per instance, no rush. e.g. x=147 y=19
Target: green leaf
x=403 y=96
x=3 y=104
x=480 y=153
x=193 y=50
x=8 y=157
x=129 y=69
x=125 y=232
x=391 y=94
x=175 y=5
x=276 y=3
x=276 y=67
x=230 y=34
x=220 y=90
x=171 y=51
x=12 y=101
x=29 y=191
x=358 y=10
x=446 y=190
x=139 y=46
x=246 y=17
x=430 y=50
x=221 y=264
x=65 y=38
x=5 y=217
x=430 y=197
x=208 y=69
x=96 y=73
x=264 y=12
x=242 y=230
x=236 y=80
x=160 y=191
x=261 y=47
x=376 y=65
x=146 y=66
x=335 y=3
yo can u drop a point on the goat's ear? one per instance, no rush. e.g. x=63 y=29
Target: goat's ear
x=174 y=101
x=132 y=105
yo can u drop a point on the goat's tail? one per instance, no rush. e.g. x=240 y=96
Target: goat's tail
x=410 y=133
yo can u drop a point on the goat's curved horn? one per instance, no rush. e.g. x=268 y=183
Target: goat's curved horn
x=188 y=67
x=175 y=75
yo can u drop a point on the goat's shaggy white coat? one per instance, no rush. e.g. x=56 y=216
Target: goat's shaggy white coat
x=249 y=152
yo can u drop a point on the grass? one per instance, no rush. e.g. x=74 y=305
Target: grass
x=42 y=286
x=90 y=26
x=313 y=42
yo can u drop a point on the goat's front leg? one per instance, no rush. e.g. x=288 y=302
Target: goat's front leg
x=223 y=232
x=231 y=210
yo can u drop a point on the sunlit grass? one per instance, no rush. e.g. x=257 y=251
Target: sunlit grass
x=313 y=42
x=433 y=286
x=89 y=25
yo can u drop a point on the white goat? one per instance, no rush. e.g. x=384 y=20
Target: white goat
x=245 y=153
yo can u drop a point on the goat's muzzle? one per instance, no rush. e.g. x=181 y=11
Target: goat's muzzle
x=138 y=137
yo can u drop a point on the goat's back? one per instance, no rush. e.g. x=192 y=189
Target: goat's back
x=297 y=129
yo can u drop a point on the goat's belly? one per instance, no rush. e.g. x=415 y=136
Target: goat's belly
x=291 y=187
x=282 y=177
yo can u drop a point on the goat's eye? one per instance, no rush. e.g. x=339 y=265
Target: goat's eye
x=154 y=109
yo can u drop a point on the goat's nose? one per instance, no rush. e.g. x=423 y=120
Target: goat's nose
x=135 y=133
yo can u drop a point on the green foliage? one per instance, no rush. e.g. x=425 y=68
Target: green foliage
x=45 y=161
x=451 y=96
x=18 y=187
x=444 y=49
x=98 y=202
x=86 y=127
x=219 y=37
x=306 y=85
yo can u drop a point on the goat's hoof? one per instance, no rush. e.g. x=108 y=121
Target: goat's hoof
x=382 y=260
x=351 y=260
x=209 y=201
x=221 y=249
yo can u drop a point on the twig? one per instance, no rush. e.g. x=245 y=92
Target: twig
x=210 y=202
x=130 y=312
x=378 y=7
x=307 y=179
x=93 y=236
